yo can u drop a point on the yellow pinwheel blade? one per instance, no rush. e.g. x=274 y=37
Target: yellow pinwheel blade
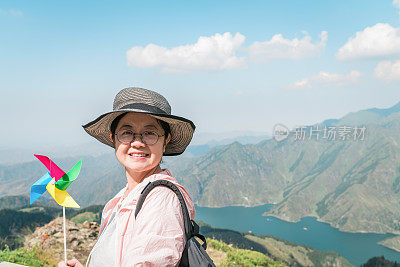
x=61 y=197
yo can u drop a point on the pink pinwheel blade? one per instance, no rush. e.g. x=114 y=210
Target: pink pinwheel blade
x=55 y=171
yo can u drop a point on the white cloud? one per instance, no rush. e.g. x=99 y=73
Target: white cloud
x=280 y=48
x=386 y=70
x=378 y=41
x=396 y=3
x=216 y=52
x=11 y=12
x=221 y=52
x=325 y=78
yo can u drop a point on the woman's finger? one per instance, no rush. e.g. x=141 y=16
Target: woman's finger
x=74 y=262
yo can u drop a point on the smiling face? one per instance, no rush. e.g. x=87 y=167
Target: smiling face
x=137 y=157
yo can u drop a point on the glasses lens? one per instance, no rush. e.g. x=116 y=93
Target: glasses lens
x=125 y=136
x=150 y=138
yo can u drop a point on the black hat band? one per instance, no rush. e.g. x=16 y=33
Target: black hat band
x=145 y=107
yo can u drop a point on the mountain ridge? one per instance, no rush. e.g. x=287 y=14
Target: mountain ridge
x=353 y=185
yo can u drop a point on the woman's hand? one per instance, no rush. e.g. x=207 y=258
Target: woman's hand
x=73 y=262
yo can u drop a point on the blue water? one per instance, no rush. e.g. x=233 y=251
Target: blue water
x=357 y=248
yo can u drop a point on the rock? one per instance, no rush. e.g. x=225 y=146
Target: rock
x=86 y=224
x=58 y=234
x=80 y=238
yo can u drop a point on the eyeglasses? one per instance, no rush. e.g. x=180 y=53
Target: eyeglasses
x=126 y=136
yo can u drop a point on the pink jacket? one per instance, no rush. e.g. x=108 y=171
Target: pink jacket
x=157 y=236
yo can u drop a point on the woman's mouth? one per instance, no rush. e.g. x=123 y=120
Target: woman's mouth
x=138 y=155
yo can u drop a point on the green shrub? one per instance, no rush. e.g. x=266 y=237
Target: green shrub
x=242 y=257
x=23 y=256
x=218 y=245
x=85 y=216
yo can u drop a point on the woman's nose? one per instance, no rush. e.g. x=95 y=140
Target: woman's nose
x=137 y=141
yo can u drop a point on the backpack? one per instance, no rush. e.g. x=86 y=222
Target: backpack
x=194 y=254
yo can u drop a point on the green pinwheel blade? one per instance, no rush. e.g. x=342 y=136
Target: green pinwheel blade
x=69 y=177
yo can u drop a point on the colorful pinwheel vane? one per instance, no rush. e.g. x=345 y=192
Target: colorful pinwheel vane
x=55 y=181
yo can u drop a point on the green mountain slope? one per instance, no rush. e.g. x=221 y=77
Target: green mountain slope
x=100 y=178
x=292 y=254
x=40 y=228
x=353 y=185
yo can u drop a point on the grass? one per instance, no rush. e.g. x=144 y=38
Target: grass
x=33 y=209
x=230 y=256
x=85 y=216
x=30 y=257
x=242 y=257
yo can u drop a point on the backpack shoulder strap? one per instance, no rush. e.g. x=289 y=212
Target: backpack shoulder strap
x=189 y=231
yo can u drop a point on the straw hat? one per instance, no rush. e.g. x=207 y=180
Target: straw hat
x=134 y=99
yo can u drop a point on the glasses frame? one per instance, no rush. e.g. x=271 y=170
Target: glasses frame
x=141 y=137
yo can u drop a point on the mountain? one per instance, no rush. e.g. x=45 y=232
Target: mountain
x=15 y=202
x=380 y=261
x=223 y=138
x=13 y=155
x=41 y=228
x=201 y=144
x=290 y=253
x=99 y=179
x=366 y=116
x=354 y=184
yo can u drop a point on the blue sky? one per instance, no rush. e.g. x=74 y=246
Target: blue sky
x=258 y=63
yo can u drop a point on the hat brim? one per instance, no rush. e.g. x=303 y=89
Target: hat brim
x=182 y=129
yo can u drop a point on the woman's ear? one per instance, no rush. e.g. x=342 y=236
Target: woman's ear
x=166 y=141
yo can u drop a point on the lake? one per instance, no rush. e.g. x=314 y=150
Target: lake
x=355 y=247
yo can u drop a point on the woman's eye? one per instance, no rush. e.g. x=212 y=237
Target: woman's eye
x=127 y=133
x=149 y=133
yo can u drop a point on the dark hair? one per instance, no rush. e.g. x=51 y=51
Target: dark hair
x=114 y=124
x=165 y=126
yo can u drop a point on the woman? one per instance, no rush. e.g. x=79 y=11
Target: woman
x=141 y=129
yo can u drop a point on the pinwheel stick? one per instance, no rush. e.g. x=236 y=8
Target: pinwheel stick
x=65 y=238
x=56 y=181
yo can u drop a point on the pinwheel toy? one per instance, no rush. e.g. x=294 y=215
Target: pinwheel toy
x=56 y=181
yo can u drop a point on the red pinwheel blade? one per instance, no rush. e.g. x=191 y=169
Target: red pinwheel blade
x=55 y=171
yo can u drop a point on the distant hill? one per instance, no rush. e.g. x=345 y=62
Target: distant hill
x=353 y=185
x=381 y=262
x=15 y=202
x=224 y=138
x=40 y=226
x=201 y=144
x=10 y=156
x=99 y=179
x=292 y=254
x=366 y=116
